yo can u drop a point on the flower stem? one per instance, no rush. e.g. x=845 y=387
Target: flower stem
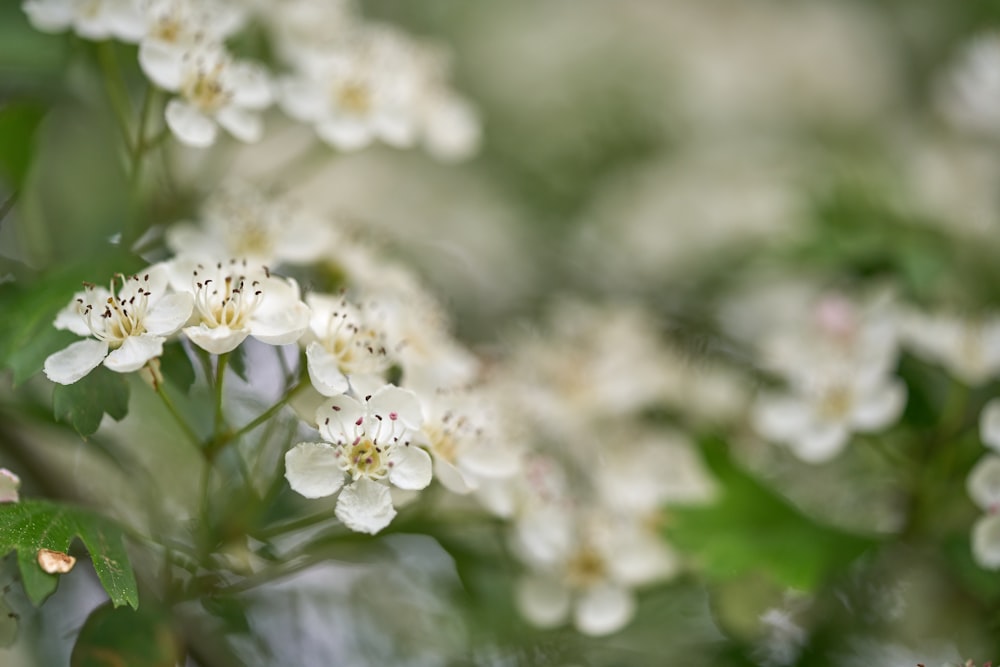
x=220 y=374
x=115 y=88
x=223 y=439
x=172 y=409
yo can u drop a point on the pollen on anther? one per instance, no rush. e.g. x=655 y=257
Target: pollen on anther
x=359 y=421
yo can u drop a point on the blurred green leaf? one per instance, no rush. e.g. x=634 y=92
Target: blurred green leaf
x=30 y=525
x=18 y=123
x=753 y=528
x=113 y=637
x=84 y=403
x=175 y=364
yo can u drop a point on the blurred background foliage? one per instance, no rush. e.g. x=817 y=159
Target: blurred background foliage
x=658 y=152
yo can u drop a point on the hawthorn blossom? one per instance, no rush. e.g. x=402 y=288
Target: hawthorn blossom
x=970 y=93
x=368 y=442
x=593 y=580
x=239 y=221
x=128 y=325
x=213 y=89
x=983 y=486
x=341 y=344
x=968 y=348
x=174 y=27
x=91 y=19
x=234 y=300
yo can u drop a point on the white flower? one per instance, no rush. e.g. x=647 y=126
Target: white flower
x=362 y=93
x=989 y=424
x=367 y=441
x=213 y=90
x=467 y=442
x=817 y=420
x=340 y=344
x=970 y=95
x=174 y=27
x=983 y=486
x=233 y=301
x=238 y=221
x=967 y=348
x=9 y=485
x=593 y=581
x=451 y=128
x=128 y=325
x=90 y=19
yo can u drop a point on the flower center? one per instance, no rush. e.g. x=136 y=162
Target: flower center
x=205 y=90
x=585 y=568
x=123 y=312
x=357 y=349
x=228 y=300
x=355 y=98
x=365 y=458
x=836 y=403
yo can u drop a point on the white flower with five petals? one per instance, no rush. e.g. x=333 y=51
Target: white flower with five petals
x=90 y=19
x=233 y=301
x=128 y=324
x=369 y=442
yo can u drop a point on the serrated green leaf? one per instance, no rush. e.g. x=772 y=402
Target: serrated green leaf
x=30 y=525
x=84 y=403
x=752 y=528
x=113 y=637
x=29 y=359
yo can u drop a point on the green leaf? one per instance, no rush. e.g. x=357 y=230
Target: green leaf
x=84 y=403
x=30 y=358
x=176 y=366
x=113 y=637
x=753 y=528
x=18 y=123
x=30 y=525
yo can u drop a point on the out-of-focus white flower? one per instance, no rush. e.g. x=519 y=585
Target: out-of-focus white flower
x=639 y=472
x=466 y=441
x=989 y=424
x=9 y=485
x=983 y=486
x=305 y=30
x=783 y=639
x=967 y=348
x=363 y=93
x=213 y=89
x=128 y=324
x=341 y=344
x=451 y=128
x=838 y=365
x=369 y=442
x=233 y=301
x=90 y=19
x=175 y=27
x=238 y=221
x=593 y=580
x=969 y=96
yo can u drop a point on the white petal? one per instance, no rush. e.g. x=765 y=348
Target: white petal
x=411 y=467
x=604 y=609
x=450 y=477
x=989 y=424
x=780 y=417
x=390 y=399
x=162 y=63
x=9 y=484
x=71 y=319
x=986 y=541
x=345 y=135
x=69 y=365
x=311 y=469
x=302 y=99
x=879 y=408
x=216 y=340
x=49 y=15
x=250 y=85
x=642 y=558
x=337 y=417
x=246 y=126
x=543 y=601
x=324 y=371
x=280 y=327
x=365 y=506
x=189 y=125
x=983 y=483
x=305 y=404
x=169 y=314
x=820 y=443
x=491 y=459
x=395 y=129
x=134 y=353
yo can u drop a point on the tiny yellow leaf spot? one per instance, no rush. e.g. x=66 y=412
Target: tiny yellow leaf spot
x=55 y=562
